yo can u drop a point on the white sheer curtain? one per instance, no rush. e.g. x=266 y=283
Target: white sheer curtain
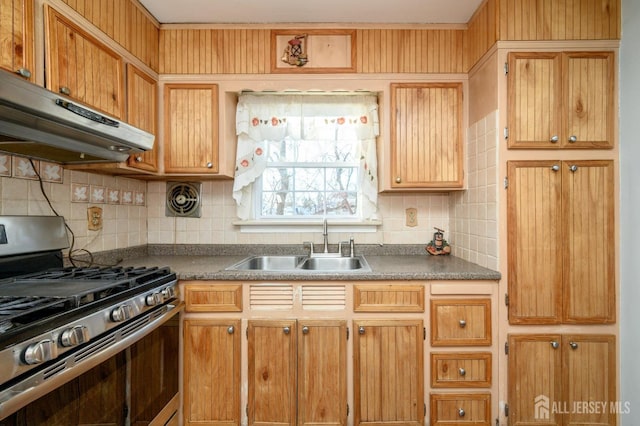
x=262 y=118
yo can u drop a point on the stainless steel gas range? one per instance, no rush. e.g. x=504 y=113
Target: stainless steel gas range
x=58 y=323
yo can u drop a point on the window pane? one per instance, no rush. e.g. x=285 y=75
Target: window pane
x=277 y=179
x=342 y=203
x=309 y=203
x=309 y=179
x=277 y=203
x=342 y=179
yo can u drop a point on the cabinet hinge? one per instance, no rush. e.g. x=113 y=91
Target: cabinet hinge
x=246 y=410
x=347 y=333
x=506 y=68
x=425 y=410
x=347 y=410
x=506 y=299
x=506 y=183
x=506 y=410
x=505 y=133
x=506 y=348
x=424 y=333
x=246 y=332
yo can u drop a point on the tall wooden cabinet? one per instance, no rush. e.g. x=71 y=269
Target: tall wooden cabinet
x=426 y=135
x=16 y=37
x=553 y=376
x=81 y=67
x=561 y=242
x=561 y=99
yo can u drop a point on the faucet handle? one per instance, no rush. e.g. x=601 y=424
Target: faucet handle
x=340 y=247
x=352 y=247
x=310 y=244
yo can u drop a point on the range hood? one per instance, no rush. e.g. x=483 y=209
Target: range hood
x=38 y=123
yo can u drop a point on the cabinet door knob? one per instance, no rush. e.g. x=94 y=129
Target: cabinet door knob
x=554 y=345
x=573 y=345
x=554 y=139
x=23 y=72
x=462 y=372
x=555 y=168
x=361 y=330
x=398 y=179
x=462 y=323
x=65 y=90
x=231 y=329
x=305 y=330
x=286 y=330
x=138 y=159
x=573 y=138
x=209 y=165
x=573 y=168
x=461 y=412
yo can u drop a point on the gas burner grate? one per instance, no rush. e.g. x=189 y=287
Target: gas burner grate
x=14 y=309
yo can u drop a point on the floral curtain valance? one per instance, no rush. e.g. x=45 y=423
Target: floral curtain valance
x=262 y=118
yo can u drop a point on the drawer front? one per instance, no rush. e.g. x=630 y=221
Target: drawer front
x=388 y=298
x=213 y=297
x=461 y=409
x=461 y=370
x=461 y=322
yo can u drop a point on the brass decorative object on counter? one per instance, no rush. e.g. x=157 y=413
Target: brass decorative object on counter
x=438 y=245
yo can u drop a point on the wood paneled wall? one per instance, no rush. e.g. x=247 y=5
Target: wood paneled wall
x=126 y=23
x=559 y=19
x=212 y=51
x=482 y=32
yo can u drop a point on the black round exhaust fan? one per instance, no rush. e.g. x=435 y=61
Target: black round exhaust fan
x=183 y=199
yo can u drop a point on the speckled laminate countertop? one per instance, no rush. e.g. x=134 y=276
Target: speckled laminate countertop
x=383 y=267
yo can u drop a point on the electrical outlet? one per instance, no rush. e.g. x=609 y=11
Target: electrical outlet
x=412 y=217
x=94 y=218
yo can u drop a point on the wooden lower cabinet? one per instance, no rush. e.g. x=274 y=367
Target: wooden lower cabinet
x=388 y=372
x=212 y=372
x=562 y=380
x=297 y=367
x=461 y=409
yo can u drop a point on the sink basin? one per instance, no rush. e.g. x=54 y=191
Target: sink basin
x=268 y=263
x=302 y=264
x=335 y=264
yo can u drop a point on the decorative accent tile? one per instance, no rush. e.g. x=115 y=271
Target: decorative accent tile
x=51 y=172
x=126 y=197
x=79 y=193
x=5 y=165
x=22 y=168
x=113 y=196
x=98 y=194
x=138 y=198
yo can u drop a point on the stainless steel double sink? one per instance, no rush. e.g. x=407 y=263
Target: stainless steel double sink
x=301 y=263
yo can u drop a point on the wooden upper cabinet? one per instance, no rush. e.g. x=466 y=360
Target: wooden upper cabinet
x=388 y=372
x=560 y=225
x=16 y=37
x=191 y=128
x=81 y=67
x=142 y=112
x=426 y=135
x=561 y=100
x=211 y=372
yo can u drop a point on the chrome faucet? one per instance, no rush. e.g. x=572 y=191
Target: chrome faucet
x=325 y=234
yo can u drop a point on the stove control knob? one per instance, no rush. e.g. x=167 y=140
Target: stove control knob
x=153 y=299
x=169 y=293
x=74 y=336
x=121 y=313
x=40 y=352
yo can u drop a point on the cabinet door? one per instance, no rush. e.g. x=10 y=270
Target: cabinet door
x=322 y=378
x=426 y=135
x=589 y=367
x=534 y=238
x=191 y=128
x=81 y=67
x=589 y=97
x=388 y=372
x=212 y=372
x=16 y=36
x=272 y=373
x=535 y=100
x=142 y=112
x=589 y=235
x=534 y=379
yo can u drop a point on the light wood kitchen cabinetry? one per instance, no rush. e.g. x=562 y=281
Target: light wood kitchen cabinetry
x=212 y=362
x=81 y=67
x=560 y=242
x=388 y=372
x=142 y=112
x=297 y=367
x=461 y=322
x=461 y=409
x=426 y=136
x=16 y=37
x=558 y=379
x=460 y=369
x=191 y=129
x=561 y=100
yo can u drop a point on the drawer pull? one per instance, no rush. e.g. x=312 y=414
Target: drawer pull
x=462 y=323
x=286 y=330
x=461 y=412
x=554 y=344
x=305 y=330
x=361 y=330
x=231 y=329
x=573 y=345
x=462 y=371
